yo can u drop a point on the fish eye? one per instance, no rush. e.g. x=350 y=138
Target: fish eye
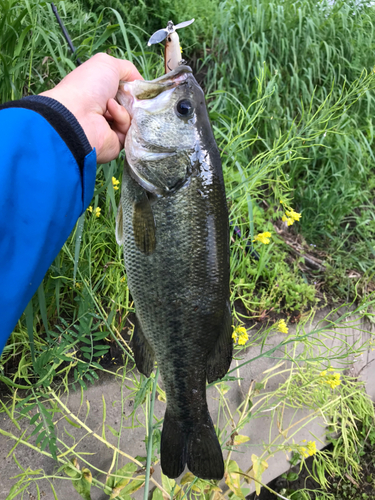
x=185 y=108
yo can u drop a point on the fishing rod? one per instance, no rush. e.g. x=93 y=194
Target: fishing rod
x=65 y=33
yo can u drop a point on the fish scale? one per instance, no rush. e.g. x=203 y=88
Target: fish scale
x=176 y=252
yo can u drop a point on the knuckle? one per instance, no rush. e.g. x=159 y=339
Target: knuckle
x=101 y=57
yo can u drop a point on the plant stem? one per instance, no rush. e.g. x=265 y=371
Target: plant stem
x=264 y=485
x=150 y=432
x=108 y=444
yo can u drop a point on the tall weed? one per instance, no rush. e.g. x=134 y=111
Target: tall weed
x=309 y=52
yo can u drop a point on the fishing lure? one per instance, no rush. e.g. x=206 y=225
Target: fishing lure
x=172 y=54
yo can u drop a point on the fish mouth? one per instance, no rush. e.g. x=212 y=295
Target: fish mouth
x=139 y=93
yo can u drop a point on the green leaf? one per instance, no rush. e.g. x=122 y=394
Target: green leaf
x=74 y=424
x=41 y=436
x=43 y=307
x=23 y=401
x=72 y=469
x=100 y=335
x=259 y=466
x=113 y=431
x=37 y=428
x=102 y=347
x=83 y=485
x=82 y=384
x=10 y=416
x=81 y=480
x=27 y=409
x=86 y=349
x=168 y=484
x=77 y=248
x=240 y=439
x=117 y=485
x=108 y=173
x=29 y=314
x=292 y=476
x=187 y=478
x=157 y=495
x=132 y=487
x=97 y=354
x=233 y=479
x=34 y=419
x=140 y=397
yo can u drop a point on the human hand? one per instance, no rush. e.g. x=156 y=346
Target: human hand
x=88 y=92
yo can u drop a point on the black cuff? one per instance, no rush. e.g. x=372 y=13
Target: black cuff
x=62 y=120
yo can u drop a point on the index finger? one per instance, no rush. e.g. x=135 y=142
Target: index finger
x=127 y=71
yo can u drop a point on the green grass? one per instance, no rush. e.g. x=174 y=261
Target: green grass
x=307 y=54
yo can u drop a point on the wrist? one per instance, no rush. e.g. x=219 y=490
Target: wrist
x=78 y=108
x=62 y=120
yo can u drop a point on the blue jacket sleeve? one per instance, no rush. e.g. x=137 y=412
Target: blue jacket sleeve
x=47 y=177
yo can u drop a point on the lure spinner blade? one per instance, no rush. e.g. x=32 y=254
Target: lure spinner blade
x=162 y=34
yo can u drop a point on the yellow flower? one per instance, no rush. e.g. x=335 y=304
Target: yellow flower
x=290 y=216
x=293 y=215
x=309 y=449
x=180 y=49
x=263 y=237
x=243 y=338
x=281 y=201
x=89 y=209
x=240 y=335
x=331 y=379
x=97 y=211
x=115 y=183
x=288 y=220
x=281 y=326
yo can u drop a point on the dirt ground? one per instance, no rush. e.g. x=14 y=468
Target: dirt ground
x=346 y=488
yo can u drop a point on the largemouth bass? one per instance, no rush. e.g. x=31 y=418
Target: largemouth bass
x=173 y=225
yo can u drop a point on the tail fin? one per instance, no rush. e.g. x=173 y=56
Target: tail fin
x=204 y=455
x=200 y=448
x=172 y=447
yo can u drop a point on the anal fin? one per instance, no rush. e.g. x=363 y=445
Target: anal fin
x=220 y=358
x=143 y=353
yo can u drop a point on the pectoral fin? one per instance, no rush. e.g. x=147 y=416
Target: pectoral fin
x=143 y=353
x=144 y=225
x=119 y=226
x=219 y=359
